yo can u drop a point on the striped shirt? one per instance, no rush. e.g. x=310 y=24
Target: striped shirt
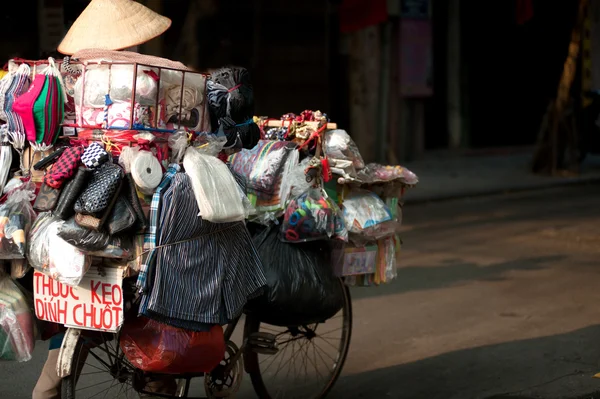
x=150 y=236
x=204 y=272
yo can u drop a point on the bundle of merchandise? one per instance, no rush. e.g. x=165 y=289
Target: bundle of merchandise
x=309 y=178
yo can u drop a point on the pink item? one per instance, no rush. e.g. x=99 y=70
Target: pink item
x=23 y=106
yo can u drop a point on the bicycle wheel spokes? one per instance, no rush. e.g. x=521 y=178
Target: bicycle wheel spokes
x=104 y=372
x=306 y=361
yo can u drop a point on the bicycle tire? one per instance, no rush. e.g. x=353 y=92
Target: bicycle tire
x=69 y=383
x=252 y=325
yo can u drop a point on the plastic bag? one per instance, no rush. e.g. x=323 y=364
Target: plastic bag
x=367 y=216
x=121 y=80
x=376 y=173
x=301 y=287
x=309 y=217
x=66 y=263
x=37 y=241
x=210 y=144
x=82 y=238
x=155 y=347
x=16 y=216
x=216 y=191
x=50 y=254
x=295 y=183
x=17 y=323
x=340 y=229
x=339 y=146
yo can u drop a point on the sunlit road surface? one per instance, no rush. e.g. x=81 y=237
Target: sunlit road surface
x=495 y=296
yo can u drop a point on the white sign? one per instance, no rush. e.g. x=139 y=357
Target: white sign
x=95 y=304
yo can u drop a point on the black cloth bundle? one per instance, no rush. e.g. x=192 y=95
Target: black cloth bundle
x=231 y=105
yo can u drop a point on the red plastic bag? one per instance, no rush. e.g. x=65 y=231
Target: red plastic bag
x=155 y=347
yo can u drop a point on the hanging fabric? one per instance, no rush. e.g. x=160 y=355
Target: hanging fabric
x=49 y=108
x=19 y=85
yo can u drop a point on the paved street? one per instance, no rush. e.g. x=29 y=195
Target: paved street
x=496 y=297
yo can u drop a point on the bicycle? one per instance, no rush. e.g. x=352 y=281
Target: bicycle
x=262 y=346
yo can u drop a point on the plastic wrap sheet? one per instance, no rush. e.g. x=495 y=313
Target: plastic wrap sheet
x=155 y=347
x=216 y=191
x=17 y=323
x=301 y=287
x=16 y=216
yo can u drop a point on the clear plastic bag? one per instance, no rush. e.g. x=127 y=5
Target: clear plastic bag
x=210 y=144
x=37 y=241
x=121 y=81
x=155 y=347
x=50 y=254
x=376 y=173
x=18 y=330
x=294 y=182
x=339 y=146
x=367 y=217
x=66 y=263
x=16 y=216
x=309 y=217
x=340 y=229
x=216 y=191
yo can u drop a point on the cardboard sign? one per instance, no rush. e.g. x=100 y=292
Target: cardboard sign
x=96 y=304
x=356 y=261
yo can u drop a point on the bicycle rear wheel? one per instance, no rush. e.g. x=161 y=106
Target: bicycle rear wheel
x=101 y=370
x=309 y=359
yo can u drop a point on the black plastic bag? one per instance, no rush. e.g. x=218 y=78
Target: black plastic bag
x=301 y=287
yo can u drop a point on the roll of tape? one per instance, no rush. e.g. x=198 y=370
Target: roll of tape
x=146 y=172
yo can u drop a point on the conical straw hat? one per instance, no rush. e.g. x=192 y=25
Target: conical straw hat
x=113 y=25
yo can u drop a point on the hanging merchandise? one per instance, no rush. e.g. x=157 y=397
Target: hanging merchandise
x=217 y=193
x=367 y=216
x=16 y=216
x=5 y=83
x=146 y=171
x=66 y=264
x=156 y=347
x=5 y=159
x=18 y=330
x=49 y=109
x=338 y=146
x=99 y=196
x=70 y=192
x=309 y=217
x=264 y=167
x=231 y=104
x=94 y=156
x=19 y=85
x=220 y=272
x=301 y=287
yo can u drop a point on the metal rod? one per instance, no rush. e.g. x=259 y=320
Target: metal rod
x=81 y=102
x=181 y=97
x=157 y=109
x=133 y=91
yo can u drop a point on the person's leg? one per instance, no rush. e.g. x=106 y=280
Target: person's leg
x=48 y=385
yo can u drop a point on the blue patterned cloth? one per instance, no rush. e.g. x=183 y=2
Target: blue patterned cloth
x=150 y=237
